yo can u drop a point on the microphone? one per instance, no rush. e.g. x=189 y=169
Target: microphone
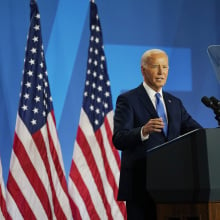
x=212 y=103
x=215 y=101
x=207 y=102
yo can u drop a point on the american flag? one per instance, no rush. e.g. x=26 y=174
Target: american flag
x=94 y=173
x=3 y=209
x=36 y=187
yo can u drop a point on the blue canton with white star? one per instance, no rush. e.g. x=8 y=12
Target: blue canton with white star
x=35 y=101
x=97 y=95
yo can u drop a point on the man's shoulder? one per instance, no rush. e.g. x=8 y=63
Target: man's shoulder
x=133 y=91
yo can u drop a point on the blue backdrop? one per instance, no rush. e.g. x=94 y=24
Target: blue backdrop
x=184 y=28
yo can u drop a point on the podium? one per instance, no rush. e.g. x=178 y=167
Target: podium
x=183 y=176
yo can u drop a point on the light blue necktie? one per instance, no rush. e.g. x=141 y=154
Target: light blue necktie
x=161 y=112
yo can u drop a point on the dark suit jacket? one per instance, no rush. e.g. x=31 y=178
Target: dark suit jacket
x=133 y=109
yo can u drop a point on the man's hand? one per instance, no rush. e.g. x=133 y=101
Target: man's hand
x=153 y=125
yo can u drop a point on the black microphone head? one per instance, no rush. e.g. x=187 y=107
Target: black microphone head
x=206 y=101
x=215 y=101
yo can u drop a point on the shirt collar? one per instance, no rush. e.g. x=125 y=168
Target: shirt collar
x=150 y=91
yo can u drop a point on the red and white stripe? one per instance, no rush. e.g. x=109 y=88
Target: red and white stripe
x=94 y=174
x=36 y=187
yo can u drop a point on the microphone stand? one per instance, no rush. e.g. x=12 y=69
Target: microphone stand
x=217 y=117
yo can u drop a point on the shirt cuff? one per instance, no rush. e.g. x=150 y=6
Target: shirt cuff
x=143 y=138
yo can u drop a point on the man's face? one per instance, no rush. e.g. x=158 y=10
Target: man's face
x=155 y=71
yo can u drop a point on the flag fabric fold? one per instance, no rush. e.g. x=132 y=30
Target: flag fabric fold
x=36 y=186
x=95 y=167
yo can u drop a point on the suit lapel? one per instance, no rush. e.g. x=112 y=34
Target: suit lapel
x=148 y=105
x=146 y=101
x=170 y=112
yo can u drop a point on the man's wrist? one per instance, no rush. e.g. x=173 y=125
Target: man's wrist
x=143 y=136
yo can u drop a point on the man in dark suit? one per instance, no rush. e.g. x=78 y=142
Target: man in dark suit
x=138 y=127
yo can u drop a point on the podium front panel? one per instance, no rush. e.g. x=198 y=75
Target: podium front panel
x=186 y=169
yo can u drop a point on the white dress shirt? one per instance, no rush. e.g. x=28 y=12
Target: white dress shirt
x=151 y=93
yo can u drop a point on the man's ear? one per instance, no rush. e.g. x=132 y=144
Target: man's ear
x=142 y=69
